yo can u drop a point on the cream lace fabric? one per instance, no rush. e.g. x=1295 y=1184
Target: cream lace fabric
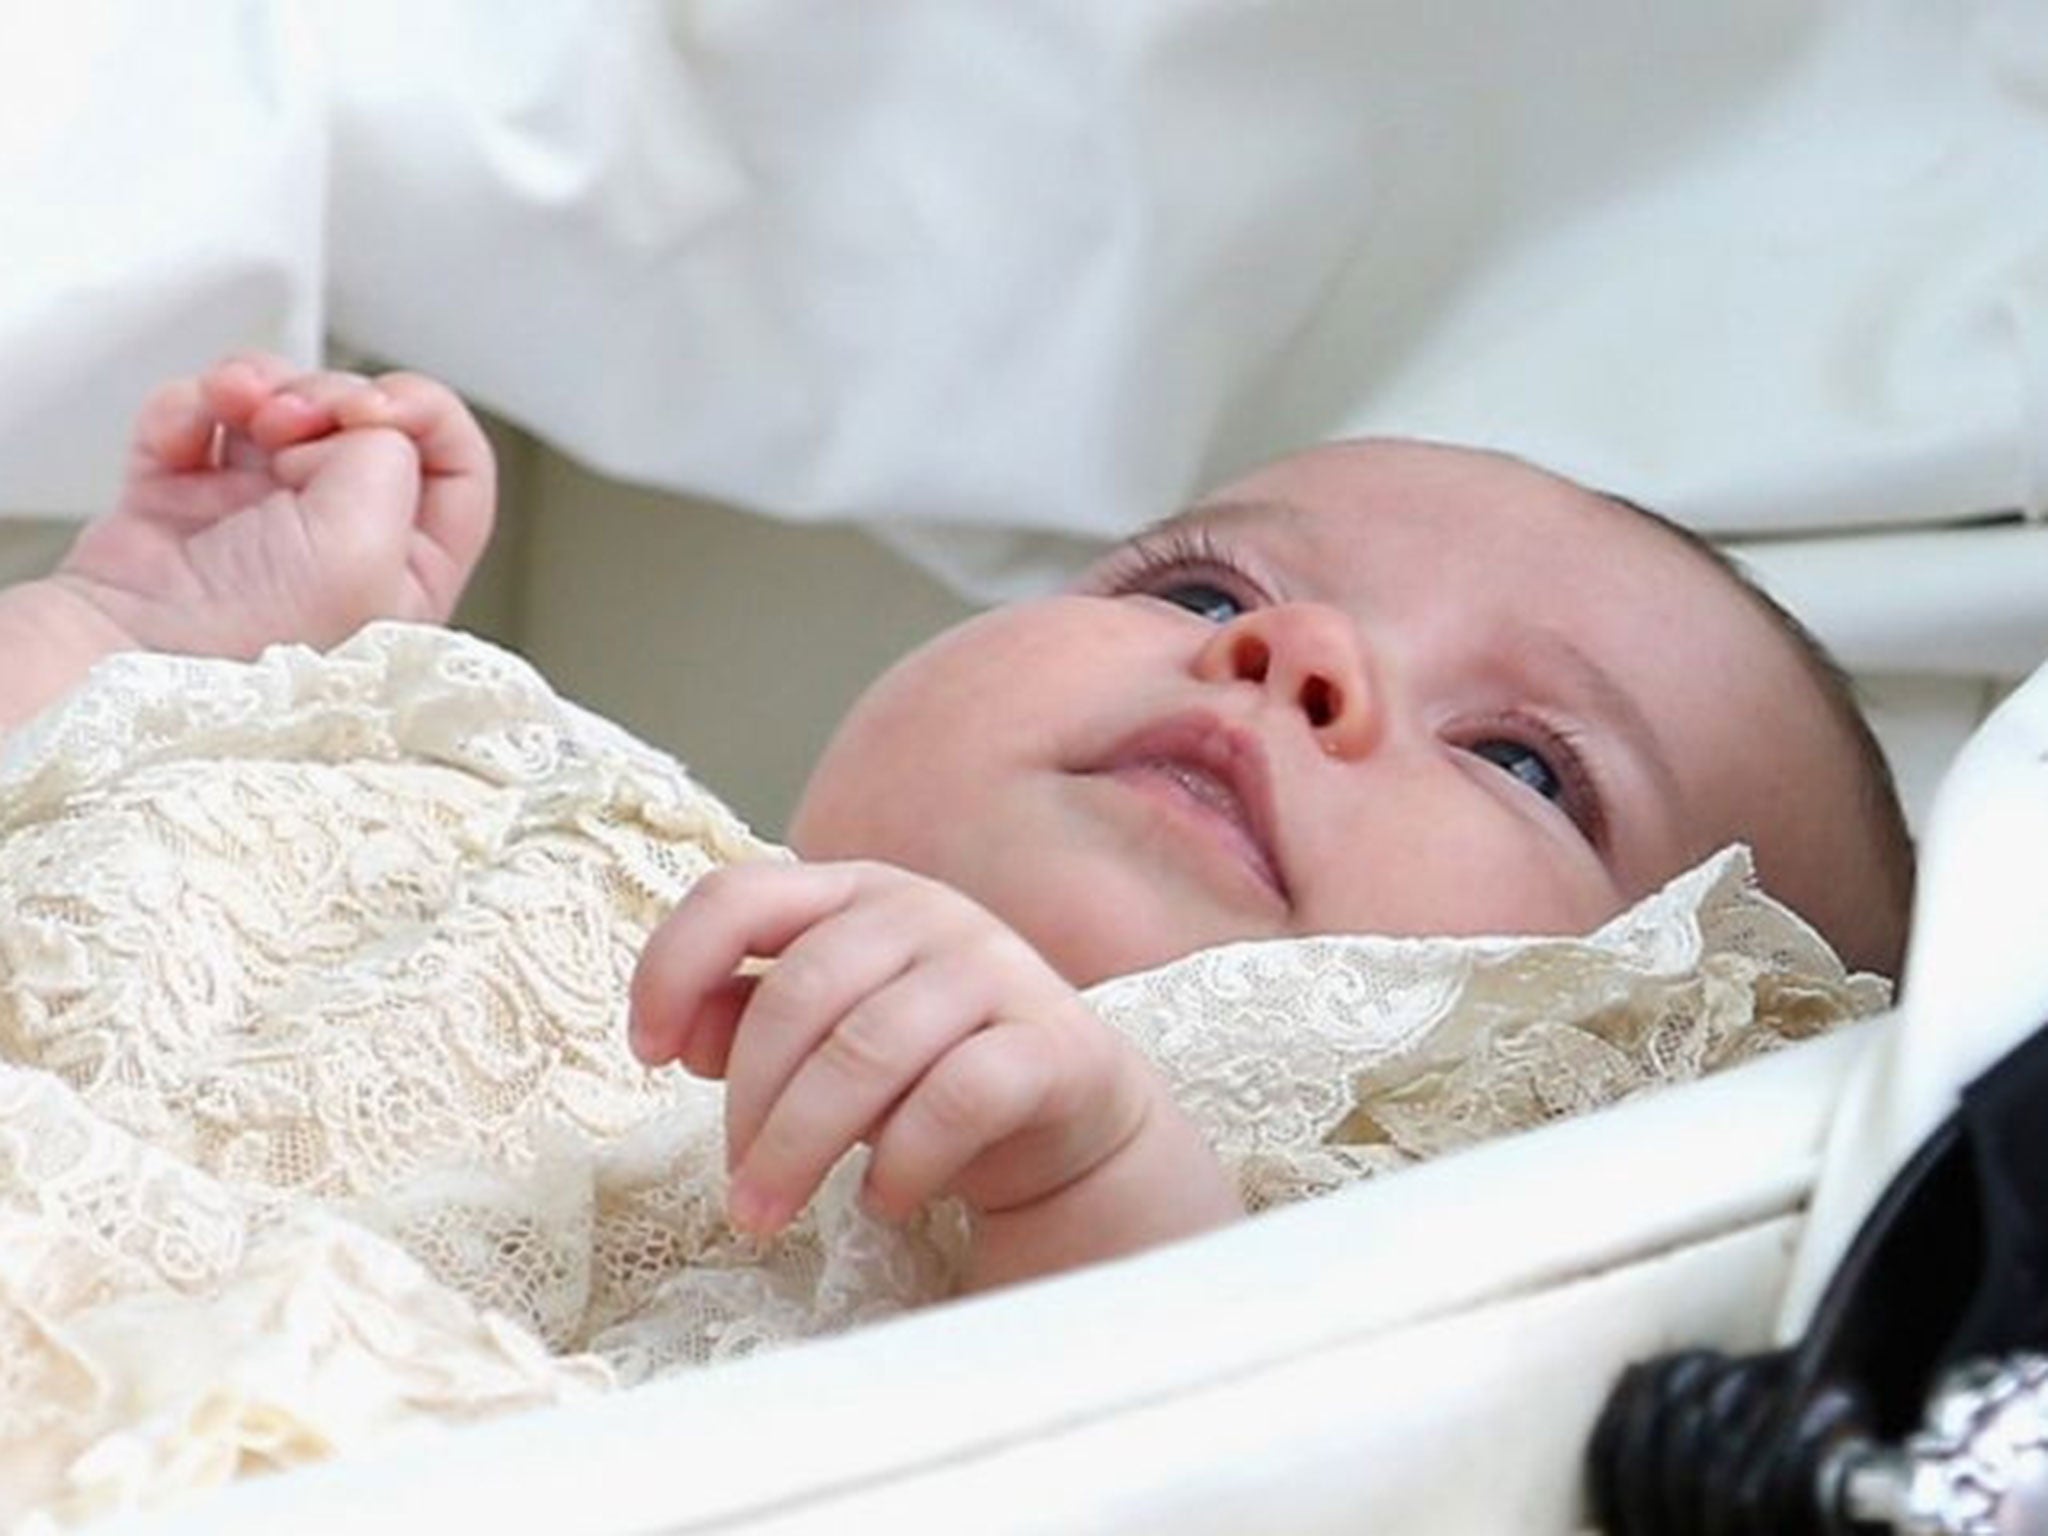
x=317 y=1124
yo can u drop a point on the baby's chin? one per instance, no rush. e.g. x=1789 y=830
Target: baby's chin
x=1094 y=938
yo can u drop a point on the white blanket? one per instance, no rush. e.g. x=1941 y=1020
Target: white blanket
x=998 y=275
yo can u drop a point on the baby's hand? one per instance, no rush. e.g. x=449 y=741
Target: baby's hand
x=262 y=504
x=900 y=1014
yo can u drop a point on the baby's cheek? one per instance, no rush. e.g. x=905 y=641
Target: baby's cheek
x=1479 y=868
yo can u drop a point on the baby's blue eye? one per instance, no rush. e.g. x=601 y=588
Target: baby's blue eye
x=1523 y=762
x=1204 y=599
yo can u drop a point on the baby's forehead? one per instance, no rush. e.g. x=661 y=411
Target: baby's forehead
x=1369 y=492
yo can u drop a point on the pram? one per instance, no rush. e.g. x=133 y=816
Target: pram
x=1861 y=411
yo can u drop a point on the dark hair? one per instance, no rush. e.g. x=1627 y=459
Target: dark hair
x=1877 y=791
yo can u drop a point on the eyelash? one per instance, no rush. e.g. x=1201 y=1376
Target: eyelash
x=1153 y=563
x=1563 y=749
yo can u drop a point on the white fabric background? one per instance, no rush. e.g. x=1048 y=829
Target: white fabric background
x=1045 y=265
x=1039 y=267
x=162 y=198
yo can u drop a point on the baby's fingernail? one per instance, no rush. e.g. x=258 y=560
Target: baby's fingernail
x=366 y=406
x=749 y=1209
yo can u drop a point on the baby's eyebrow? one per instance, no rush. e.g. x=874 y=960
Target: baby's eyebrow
x=1239 y=510
x=1211 y=514
x=1606 y=699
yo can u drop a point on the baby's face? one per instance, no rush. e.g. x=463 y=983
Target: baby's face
x=1378 y=687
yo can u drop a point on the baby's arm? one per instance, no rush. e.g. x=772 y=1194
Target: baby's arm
x=261 y=505
x=900 y=1014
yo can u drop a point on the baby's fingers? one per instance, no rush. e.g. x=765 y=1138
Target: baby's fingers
x=733 y=913
x=175 y=429
x=990 y=1089
x=816 y=998
x=450 y=439
x=706 y=1051
x=182 y=424
x=879 y=1050
x=456 y=462
x=315 y=405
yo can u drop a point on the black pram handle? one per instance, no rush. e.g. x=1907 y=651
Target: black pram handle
x=1936 y=1310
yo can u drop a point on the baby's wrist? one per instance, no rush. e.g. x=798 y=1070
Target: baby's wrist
x=53 y=632
x=1163 y=1183
x=79 y=614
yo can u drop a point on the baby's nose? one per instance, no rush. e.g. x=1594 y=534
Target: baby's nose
x=1305 y=655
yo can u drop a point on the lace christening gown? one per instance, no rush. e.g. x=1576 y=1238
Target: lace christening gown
x=317 y=1119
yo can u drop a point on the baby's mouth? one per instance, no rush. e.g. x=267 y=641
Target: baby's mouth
x=1214 y=777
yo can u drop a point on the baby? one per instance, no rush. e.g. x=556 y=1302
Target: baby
x=1376 y=687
